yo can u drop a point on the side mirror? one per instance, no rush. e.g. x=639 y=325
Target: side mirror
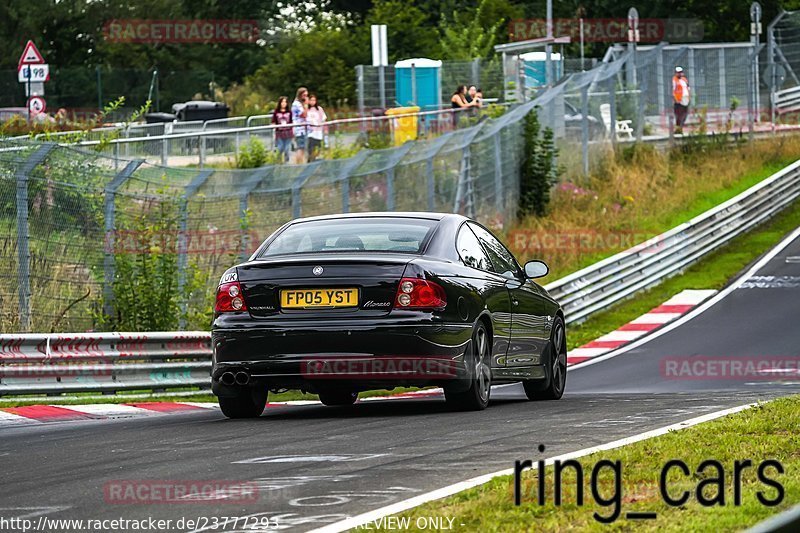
x=536 y=269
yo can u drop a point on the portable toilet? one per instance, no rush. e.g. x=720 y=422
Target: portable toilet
x=417 y=83
x=534 y=66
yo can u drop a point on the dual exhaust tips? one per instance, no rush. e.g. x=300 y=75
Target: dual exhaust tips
x=239 y=378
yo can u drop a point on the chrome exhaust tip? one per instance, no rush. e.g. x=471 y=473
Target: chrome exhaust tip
x=228 y=378
x=242 y=378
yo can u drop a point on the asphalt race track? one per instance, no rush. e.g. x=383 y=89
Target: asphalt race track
x=314 y=465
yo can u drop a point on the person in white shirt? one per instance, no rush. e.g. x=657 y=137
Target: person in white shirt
x=316 y=118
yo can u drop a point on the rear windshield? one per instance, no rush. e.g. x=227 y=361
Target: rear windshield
x=403 y=235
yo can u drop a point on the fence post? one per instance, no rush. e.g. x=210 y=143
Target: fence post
x=612 y=108
x=498 y=172
x=662 y=87
x=585 y=128
x=723 y=82
x=360 y=88
x=202 y=150
x=298 y=185
x=248 y=186
x=476 y=72
x=431 y=185
x=109 y=198
x=346 y=194
x=382 y=85
x=413 y=85
x=183 y=242
x=390 y=189
x=23 y=234
x=640 y=111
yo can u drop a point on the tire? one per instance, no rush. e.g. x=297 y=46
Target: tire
x=556 y=368
x=476 y=397
x=334 y=398
x=249 y=402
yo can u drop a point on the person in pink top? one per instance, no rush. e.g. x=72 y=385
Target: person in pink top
x=316 y=118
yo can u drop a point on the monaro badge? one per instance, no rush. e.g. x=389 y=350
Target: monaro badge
x=318 y=270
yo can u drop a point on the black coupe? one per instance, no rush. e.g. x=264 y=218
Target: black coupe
x=335 y=305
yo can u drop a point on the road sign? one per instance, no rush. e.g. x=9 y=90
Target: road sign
x=34 y=89
x=33 y=73
x=774 y=76
x=31 y=55
x=36 y=105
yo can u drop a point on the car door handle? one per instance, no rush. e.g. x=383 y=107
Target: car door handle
x=515 y=301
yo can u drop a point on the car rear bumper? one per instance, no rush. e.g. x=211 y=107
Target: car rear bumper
x=366 y=355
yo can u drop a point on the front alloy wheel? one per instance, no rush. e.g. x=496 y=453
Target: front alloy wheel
x=556 y=367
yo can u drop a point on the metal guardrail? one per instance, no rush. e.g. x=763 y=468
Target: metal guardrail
x=787 y=101
x=110 y=362
x=620 y=276
x=103 y=362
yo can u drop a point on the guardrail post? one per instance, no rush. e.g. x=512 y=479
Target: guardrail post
x=23 y=233
x=110 y=226
x=183 y=242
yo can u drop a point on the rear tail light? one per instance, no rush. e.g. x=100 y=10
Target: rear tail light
x=413 y=293
x=230 y=298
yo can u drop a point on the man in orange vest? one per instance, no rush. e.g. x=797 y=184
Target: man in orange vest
x=680 y=94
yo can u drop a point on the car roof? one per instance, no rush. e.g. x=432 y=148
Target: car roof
x=384 y=214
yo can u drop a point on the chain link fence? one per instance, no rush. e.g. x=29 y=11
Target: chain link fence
x=77 y=224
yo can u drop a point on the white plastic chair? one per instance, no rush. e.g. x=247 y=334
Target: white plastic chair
x=622 y=128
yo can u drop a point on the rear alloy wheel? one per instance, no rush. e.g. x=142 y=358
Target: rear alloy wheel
x=556 y=367
x=248 y=402
x=476 y=397
x=338 y=397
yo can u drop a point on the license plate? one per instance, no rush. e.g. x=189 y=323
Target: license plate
x=311 y=298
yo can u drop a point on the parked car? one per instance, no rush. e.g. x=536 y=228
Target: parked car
x=339 y=304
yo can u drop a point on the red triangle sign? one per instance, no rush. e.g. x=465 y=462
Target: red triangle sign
x=31 y=55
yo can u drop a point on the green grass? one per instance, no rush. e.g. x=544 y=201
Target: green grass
x=768 y=431
x=713 y=272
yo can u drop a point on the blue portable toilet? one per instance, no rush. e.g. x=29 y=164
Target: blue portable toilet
x=535 y=68
x=425 y=83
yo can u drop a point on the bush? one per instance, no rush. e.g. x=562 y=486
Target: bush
x=254 y=154
x=538 y=172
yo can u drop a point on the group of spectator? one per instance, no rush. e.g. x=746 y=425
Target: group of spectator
x=464 y=97
x=302 y=131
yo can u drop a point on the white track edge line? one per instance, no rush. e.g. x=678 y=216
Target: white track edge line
x=770 y=255
x=449 y=490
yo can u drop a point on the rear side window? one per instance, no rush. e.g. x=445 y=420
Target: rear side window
x=353 y=235
x=470 y=250
x=501 y=259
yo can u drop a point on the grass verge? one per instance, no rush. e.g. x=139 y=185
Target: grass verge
x=768 y=431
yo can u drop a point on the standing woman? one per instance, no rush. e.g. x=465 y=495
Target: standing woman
x=316 y=133
x=283 y=136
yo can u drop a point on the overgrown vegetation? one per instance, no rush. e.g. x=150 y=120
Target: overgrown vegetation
x=538 y=170
x=147 y=291
x=638 y=192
